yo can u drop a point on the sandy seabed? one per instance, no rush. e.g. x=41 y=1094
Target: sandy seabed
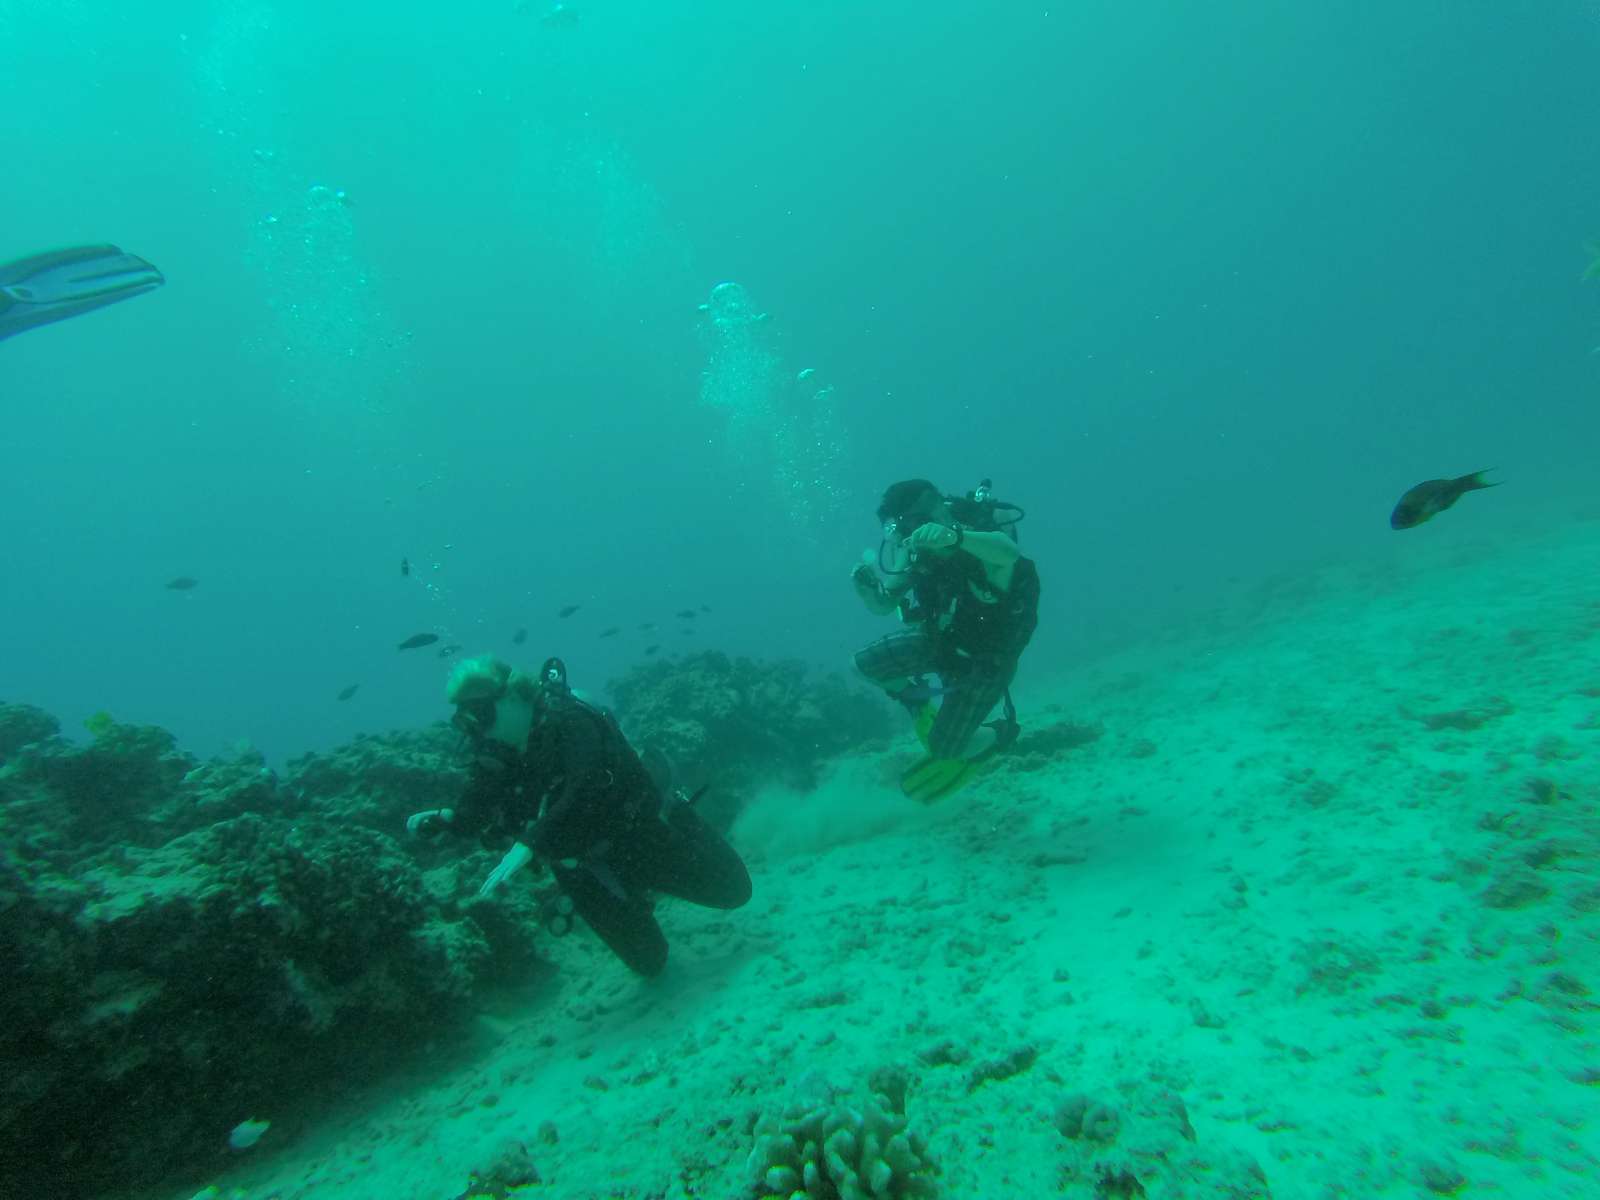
x=1323 y=869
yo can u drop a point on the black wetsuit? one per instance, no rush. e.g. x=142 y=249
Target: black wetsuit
x=580 y=798
x=964 y=631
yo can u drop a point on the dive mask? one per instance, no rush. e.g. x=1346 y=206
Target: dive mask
x=895 y=531
x=474 y=718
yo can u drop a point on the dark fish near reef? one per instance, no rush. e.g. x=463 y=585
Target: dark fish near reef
x=705 y=608
x=519 y=637
x=447 y=651
x=688 y=614
x=1431 y=497
x=346 y=693
x=610 y=631
x=182 y=584
x=649 y=650
x=568 y=609
x=405 y=566
x=418 y=639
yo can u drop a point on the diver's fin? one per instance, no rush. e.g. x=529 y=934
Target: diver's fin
x=934 y=778
x=49 y=287
x=923 y=723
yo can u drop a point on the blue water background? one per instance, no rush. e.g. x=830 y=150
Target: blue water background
x=1203 y=287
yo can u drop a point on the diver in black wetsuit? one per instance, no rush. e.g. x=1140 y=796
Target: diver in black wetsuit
x=556 y=775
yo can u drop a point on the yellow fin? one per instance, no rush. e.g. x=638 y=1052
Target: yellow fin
x=933 y=778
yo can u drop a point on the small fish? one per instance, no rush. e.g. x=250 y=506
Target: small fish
x=405 y=566
x=805 y=375
x=568 y=609
x=99 y=724
x=648 y=625
x=447 y=651
x=519 y=637
x=649 y=650
x=610 y=631
x=688 y=614
x=686 y=631
x=346 y=693
x=247 y=1133
x=182 y=584
x=418 y=639
x=705 y=608
x=1431 y=497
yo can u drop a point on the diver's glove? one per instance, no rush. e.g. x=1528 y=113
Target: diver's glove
x=429 y=823
x=516 y=858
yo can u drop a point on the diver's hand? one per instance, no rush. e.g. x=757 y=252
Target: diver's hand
x=933 y=536
x=429 y=823
x=516 y=858
x=870 y=590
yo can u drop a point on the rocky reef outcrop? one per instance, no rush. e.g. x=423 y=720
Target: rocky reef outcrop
x=190 y=943
x=187 y=943
x=737 y=724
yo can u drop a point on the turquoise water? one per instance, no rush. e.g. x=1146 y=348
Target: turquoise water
x=634 y=311
x=1202 y=290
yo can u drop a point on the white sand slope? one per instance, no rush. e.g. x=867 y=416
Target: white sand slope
x=1329 y=876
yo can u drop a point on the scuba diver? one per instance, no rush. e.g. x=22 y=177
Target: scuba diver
x=950 y=566
x=63 y=283
x=554 y=776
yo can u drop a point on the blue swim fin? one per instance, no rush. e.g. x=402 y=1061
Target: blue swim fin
x=63 y=283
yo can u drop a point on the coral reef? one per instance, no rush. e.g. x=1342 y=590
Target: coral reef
x=190 y=943
x=22 y=725
x=741 y=723
x=826 y=1145
x=377 y=782
x=103 y=794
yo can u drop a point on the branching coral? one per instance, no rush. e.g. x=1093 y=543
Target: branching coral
x=824 y=1146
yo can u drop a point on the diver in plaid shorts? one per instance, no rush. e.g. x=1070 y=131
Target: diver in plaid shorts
x=951 y=568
